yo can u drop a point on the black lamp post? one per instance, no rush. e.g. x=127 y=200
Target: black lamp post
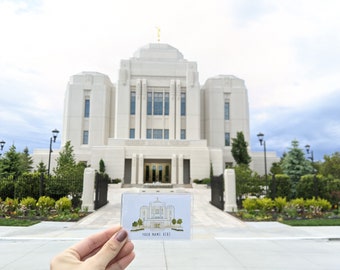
x=52 y=139
x=2 y=144
x=263 y=142
x=311 y=157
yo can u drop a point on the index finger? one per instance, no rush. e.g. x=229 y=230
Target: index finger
x=93 y=242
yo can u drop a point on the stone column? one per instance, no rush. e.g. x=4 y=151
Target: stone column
x=174 y=169
x=172 y=110
x=144 y=109
x=138 y=110
x=230 y=190
x=88 y=189
x=180 y=169
x=178 y=110
x=140 y=179
x=134 y=169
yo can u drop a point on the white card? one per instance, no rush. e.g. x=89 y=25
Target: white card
x=157 y=216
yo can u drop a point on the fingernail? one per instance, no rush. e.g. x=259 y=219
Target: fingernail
x=121 y=235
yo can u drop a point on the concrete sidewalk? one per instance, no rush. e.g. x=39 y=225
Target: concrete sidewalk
x=219 y=241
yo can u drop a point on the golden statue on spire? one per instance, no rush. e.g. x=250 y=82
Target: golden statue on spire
x=158 y=34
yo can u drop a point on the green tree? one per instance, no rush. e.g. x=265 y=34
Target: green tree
x=140 y=222
x=27 y=185
x=331 y=166
x=41 y=167
x=10 y=163
x=239 y=150
x=66 y=161
x=26 y=161
x=295 y=164
x=247 y=183
x=173 y=221
x=101 y=166
x=305 y=188
x=280 y=186
x=68 y=178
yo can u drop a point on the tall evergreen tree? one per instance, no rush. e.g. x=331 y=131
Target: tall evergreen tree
x=26 y=161
x=41 y=167
x=295 y=164
x=10 y=163
x=239 y=150
x=66 y=161
x=68 y=178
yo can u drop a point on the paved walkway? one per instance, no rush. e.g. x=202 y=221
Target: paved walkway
x=219 y=241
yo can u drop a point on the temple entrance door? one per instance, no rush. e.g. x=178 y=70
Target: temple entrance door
x=157 y=172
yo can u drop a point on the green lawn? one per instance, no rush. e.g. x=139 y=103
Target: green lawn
x=17 y=222
x=312 y=222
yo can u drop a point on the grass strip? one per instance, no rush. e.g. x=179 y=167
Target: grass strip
x=17 y=222
x=312 y=222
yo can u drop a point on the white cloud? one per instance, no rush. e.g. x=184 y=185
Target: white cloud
x=287 y=52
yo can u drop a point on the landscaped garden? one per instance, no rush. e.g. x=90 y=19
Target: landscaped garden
x=29 y=211
x=29 y=195
x=296 y=190
x=295 y=212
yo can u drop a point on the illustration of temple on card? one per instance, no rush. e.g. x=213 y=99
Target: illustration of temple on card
x=158 y=215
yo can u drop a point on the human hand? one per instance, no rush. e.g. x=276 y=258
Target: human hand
x=108 y=250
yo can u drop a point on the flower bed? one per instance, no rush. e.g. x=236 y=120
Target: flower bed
x=45 y=208
x=279 y=209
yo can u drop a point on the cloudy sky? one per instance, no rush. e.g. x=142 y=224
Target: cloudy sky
x=288 y=53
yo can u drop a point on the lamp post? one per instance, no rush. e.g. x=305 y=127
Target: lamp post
x=263 y=142
x=52 y=139
x=311 y=157
x=2 y=144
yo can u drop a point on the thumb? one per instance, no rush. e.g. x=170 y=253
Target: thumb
x=110 y=249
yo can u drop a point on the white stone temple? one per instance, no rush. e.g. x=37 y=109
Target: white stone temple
x=157 y=124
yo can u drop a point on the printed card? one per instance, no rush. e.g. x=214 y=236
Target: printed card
x=157 y=216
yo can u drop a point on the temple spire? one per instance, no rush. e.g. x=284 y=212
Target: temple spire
x=158 y=34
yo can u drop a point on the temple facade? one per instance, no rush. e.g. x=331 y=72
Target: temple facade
x=157 y=123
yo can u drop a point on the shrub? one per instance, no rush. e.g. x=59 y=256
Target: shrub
x=63 y=204
x=57 y=187
x=280 y=203
x=265 y=204
x=27 y=185
x=280 y=186
x=310 y=185
x=250 y=204
x=11 y=204
x=44 y=204
x=7 y=187
x=298 y=203
x=29 y=203
x=204 y=181
x=116 y=181
x=322 y=204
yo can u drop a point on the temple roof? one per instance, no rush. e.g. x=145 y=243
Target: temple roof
x=159 y=52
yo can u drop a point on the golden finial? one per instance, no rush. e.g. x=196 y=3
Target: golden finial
x=158 y=34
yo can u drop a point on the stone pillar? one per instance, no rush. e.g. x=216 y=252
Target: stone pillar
x=144 y=109
x=88 y=189
x=138 y=110
x=140 y=179
x=174 y=169
x=178 y=110
x=172 y=110
x=180 y=169
x=134 y=169
x=230 y=190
